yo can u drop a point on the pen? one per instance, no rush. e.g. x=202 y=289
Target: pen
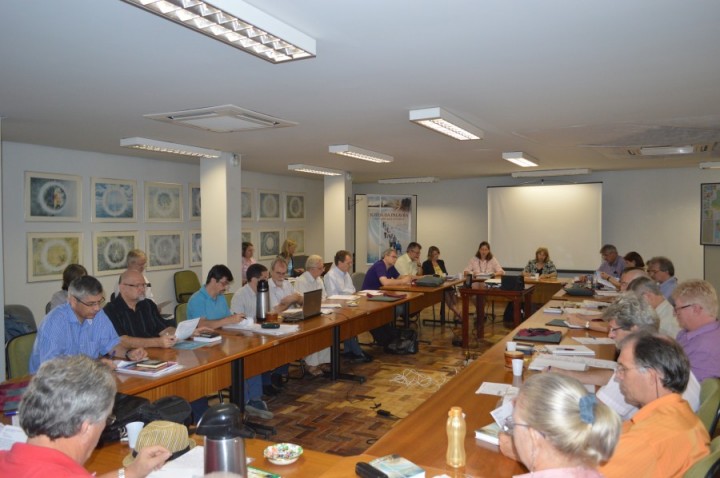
x=11 y=414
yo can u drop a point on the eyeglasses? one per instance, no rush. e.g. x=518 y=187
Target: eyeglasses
x=110 y=420
x=653 y=271
x=622 y=369
x=678 y=309
x=509 y=425
x=224 y=282
x=615 y=329
x=393 y=256
x=137 y=286
x=99 y=303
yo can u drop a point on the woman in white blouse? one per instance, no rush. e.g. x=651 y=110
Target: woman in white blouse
x=484 y=262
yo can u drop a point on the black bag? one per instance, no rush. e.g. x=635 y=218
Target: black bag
x=430 y=281
x=512 y=282
x=405 y=342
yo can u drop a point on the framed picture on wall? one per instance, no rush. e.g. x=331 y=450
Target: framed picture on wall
x=297 y=235
x=269 y=244
x=110 y=250
x=164 y=250
x=52 y=197
x=113 y=200
x=269 y=206
x=194 y=202
x=163 y=202
x=710 y=214
x=247 y=205
x=195 y=247
x=247 y=236
x=294 y=207
x=49 y=253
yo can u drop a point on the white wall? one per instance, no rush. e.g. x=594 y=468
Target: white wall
x=18 y=158
x=655 y=212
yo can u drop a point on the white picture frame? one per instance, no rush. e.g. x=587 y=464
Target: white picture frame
x=195 y=245
x=53 y=197
x=195 y=202
x=164 y=250
x=49 y=253
x=113 y=200
x=163 y=202
x=294 y=207
x=110 y=250
x=269 y=206
x=269 y=244
x=297 y=235
x=247 y=204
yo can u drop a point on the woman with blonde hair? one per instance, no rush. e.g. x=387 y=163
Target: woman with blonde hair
x=286 y=252
x=541 y=265
x=559 y=429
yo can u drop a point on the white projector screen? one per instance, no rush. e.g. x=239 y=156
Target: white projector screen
x=567 y=219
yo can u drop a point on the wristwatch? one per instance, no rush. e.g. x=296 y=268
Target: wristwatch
x=587 y=324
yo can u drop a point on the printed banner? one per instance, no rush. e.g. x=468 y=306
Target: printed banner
x=389 y=224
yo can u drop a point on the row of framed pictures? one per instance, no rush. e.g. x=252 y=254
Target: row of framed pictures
x=49 y=253
x=58 y=197
x=264 y=205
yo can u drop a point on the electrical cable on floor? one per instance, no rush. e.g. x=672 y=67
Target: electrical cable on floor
x=413 y=378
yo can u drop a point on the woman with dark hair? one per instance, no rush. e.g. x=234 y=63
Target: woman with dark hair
x=247 y=258
x=436 y=266
x=484 y=263
x=633 y=259
x=71 y=272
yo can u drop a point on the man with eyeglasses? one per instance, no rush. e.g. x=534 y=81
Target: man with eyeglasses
x=696 y=309
x=310 y=280
x=662 y=270
x=664 y=438
x=409 y=263
x=650 y=292
x=383 y=272
x=80 y=327
x=628 y=314
x=612 y=264
x=136 y=261
x=135 y=318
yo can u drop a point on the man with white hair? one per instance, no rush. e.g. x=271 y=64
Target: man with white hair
x=317 y=362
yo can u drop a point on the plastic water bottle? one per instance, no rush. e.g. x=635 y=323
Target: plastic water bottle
x=455 y=427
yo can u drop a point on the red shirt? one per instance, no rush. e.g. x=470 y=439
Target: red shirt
x=32 y=461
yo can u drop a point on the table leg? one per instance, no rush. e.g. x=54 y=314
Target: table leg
x=237 y=388
x=528 y=305
x=335 y=373
x=480 y=306
x=442 y=308
x=465 y=319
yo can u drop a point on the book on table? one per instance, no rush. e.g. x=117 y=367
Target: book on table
x=133 y=368
x=395 y=466
x=151 y=364
x=489 y=433
x=208 y=337
x=569 y=350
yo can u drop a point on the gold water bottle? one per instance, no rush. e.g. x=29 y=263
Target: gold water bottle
x=455 y=456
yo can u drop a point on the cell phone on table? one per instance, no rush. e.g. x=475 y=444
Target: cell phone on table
x=270 y=325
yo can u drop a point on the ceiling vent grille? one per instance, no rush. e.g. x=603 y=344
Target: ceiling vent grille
x=222 y=119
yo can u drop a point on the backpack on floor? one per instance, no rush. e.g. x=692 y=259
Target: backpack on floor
x=405 y=342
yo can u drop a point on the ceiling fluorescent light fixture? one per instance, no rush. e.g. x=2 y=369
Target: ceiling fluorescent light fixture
x=550 y=172
x=666 y=150
x=359 y=153
x=521 y=159
x=170 y=148
x=306 y=168
x=425 y=179
x=237 y=24
x=710 y=165
x=446 y=123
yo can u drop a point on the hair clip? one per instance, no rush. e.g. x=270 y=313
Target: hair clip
x=587 y=408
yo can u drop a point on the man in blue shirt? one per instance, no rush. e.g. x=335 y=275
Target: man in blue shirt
x=80 y=326
x=210 y=306
x=612 y=264
x=383 y=272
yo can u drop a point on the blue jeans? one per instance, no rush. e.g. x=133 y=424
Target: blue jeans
x=352 y=346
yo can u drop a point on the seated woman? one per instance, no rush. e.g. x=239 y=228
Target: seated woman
x=286 y=252
x=71 y=272
x=632 y=260
x=541 y=265
x=436 y=266
x=558 y=429
x=484 y=263
x=247 y=258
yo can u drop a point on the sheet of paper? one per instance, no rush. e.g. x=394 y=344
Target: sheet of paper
x=594 y=340
x=371 y=292
x=10 y=434
x=344 y=297
x=497 y=389
x=543 y=361
x=576 y=359
x=607 y=293
x=501 y=413
x=186 y=328
x=330 y=305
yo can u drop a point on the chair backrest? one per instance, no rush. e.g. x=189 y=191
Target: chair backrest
x=357 y=279
x=18 y=355
x=709 y=404
x=228 y=298
x=186 y=284
x=708 y=467
x=19 y=320
x=48 y=307
x=180 y=312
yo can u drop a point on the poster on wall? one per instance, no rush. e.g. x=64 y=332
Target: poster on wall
x=49 y=253
x=389 y=224
x=710 y=214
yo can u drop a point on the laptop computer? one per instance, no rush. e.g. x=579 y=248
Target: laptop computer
x=311 y=307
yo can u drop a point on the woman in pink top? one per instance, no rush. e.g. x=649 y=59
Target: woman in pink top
x=247 y=258
x=559 y=429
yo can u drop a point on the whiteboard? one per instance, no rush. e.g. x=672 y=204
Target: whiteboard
x=567 y=219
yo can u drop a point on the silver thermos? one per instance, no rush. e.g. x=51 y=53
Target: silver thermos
x=224 y=446
x=262 y=306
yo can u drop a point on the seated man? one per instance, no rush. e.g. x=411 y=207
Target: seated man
x=338 y=282
x=649 y=290
x=80 y=326
x=612 y=264
x=135 y=319
x=317 y=362
x=210 y=306
x=664 y=438
x=662 y=270
x=136 y=261
x=409 y=263
x=63 y=412
x=628 y=314
x=696 y=308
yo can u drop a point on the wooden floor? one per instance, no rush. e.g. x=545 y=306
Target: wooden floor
x=341 y=417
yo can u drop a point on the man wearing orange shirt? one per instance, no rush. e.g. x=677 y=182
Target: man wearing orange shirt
x=664 y=438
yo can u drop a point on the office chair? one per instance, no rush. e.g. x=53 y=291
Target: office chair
x=17 y=354
x=357 y=279
x=48 y=307
x=709 y=404
x=708 y=467
x=23 y=313
x=180 y=312
x=186 y=284
x=228 y=298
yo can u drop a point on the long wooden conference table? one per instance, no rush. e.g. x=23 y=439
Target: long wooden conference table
x=430 y=296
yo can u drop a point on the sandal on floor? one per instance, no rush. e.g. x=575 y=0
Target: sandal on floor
x=314 y=370
x=325 y=367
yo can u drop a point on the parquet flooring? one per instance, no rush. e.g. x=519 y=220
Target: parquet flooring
x=341 y=417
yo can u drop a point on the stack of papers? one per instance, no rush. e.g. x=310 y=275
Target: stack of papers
x=543 y=361
x=131 y=368
x=284 y=329
x=569 y=350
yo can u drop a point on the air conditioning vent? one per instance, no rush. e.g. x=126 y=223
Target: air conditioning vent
x=222 y=119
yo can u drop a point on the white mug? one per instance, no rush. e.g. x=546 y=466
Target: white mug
x=511 y=346
x=133 y=431
x=517 y=365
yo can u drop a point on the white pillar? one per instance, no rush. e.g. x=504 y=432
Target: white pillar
x=221 y=222
x=338 y=217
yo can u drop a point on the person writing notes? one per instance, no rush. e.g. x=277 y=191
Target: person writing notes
x=484 y=263
x=541 y=265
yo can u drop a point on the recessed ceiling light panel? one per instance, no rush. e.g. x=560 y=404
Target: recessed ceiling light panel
x=360 y=153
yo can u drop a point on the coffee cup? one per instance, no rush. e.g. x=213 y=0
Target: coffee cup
x=133 y=431
x=511 y=346
x=517 y=367
x=271 y=317
x=510 y=355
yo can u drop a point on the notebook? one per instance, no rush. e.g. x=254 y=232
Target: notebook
x=311 y=307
